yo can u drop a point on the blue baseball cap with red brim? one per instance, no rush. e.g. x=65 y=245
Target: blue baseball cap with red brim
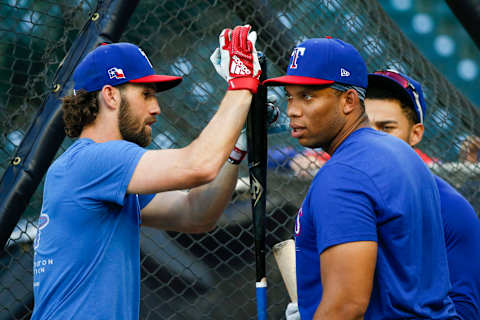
x=118 y=63
x=323 y=61
x=403 y=82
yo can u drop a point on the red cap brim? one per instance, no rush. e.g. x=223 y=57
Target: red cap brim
x=304 y=81
x=162 y=82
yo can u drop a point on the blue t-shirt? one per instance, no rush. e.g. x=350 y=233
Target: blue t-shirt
x=462 y=237
x=376 y=188
x=87 y=248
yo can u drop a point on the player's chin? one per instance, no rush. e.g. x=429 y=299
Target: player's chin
x=305 y=142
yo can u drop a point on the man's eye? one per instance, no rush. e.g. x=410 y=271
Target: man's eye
x=388 y=128
x=307 y=97
x=288 y=97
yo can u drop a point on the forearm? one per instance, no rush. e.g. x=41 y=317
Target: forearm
x=346 y=286
x=338 y=311
x=207 y=202
x=216 y=141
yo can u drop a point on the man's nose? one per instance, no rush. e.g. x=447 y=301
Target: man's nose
x=293 y=109
x=155 y=108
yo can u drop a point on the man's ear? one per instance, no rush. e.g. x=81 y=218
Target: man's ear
x=351 y=101
x=110 y=96
x=416 y=134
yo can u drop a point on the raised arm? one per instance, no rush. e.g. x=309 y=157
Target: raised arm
x=347 y=272
x=201 y=161
x=199 y=209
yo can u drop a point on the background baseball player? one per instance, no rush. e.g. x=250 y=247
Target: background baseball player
x=365 y=247
x=395 y=105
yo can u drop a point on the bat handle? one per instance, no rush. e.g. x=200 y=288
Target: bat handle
x=262 y=299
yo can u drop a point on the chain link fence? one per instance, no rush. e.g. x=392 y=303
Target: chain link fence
x=211 y=276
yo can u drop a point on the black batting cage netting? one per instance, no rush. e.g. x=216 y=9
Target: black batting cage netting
x=206 y=276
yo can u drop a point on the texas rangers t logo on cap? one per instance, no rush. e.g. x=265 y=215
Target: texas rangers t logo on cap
x=299 y=51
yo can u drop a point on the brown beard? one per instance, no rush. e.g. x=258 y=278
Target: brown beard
x=129 y=127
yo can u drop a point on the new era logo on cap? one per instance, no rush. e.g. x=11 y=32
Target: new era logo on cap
x=238 y=67
x=344 y=73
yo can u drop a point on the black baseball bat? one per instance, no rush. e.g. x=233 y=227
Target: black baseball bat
x=257 y=167
x=468 y=13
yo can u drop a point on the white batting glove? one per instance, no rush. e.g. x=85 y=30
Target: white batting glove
x=292 y=313
x=240 y=150
x=220 y=58
x=236 y=60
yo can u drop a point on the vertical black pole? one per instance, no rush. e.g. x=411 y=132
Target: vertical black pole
x=468 y=13
x=257 y=164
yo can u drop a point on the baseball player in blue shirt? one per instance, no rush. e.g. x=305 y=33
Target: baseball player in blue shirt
x=369 y=238
x=106 y=184
x=395 y=105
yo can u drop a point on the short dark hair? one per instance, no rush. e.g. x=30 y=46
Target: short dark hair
x=338 y=93
x=388 y=91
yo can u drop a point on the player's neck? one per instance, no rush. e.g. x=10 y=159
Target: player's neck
x=360 y=122
x=101 y=131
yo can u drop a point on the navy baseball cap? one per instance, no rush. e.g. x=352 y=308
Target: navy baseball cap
x=401 y=81
x=118 y=63
x=323 y=61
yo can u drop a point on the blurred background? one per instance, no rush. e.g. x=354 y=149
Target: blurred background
x=211 y=276
x=437 y=33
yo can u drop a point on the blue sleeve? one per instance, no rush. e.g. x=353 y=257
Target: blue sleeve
x=459 y=218
x=462 y=236
x=343 y=201
x=145 y=199
x=105 y=169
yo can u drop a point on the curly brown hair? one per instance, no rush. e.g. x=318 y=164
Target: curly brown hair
x=79 y=110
